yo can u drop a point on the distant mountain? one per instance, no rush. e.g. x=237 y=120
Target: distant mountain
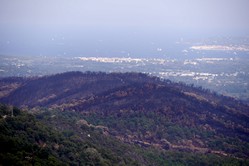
x=140 y=110
x=63 y=88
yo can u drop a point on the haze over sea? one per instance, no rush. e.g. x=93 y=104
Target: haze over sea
x=117 y=28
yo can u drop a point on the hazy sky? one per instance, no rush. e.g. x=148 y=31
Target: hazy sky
x=28 y=23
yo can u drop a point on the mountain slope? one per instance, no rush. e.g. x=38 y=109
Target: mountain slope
x=167 y=119
x=59 y=88
x=26 y=139
x=49 y=137
x=143 y=110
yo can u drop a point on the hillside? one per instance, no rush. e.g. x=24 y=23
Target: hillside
x=49 y=137
x=61 y=88
x=27 y=139
x=140 y=110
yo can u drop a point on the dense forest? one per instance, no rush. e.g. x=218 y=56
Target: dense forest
x=91 y=118
x=50 y=137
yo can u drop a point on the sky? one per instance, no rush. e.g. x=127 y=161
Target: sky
x=80 y=26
